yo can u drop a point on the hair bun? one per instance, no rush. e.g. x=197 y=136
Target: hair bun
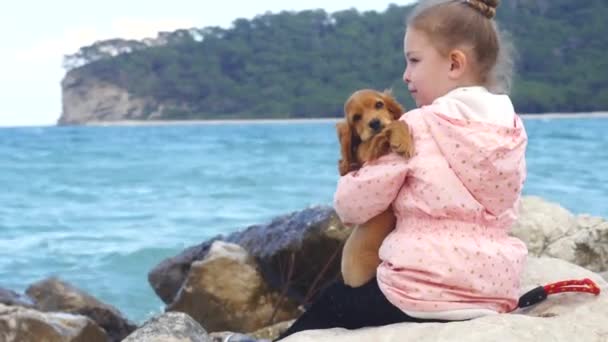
x=485 y=7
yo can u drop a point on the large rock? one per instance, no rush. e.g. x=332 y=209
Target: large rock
x=299 y=254
x=225 y=291
x=541 y=223
x=564 y=317
x=18 y=324
x=550 y=230
x=170 y=327
x=55 y=295
x=301 y=250
x=586 y=246
x=10 y=297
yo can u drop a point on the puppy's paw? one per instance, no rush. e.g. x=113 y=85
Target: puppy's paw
x=379 y=146
x=400 y=139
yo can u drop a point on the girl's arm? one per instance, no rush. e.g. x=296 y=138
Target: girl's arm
x=365 y=193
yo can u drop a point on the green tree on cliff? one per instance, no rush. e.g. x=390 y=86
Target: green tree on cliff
x=305 y=64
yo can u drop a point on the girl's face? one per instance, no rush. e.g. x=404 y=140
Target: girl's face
x=427 y=72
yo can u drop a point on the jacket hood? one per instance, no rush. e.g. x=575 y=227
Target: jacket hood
x=488 y=158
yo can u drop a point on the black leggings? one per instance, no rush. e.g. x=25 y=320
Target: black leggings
x=342 y=306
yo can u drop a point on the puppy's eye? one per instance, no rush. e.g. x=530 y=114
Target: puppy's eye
x=379 y=105
x=357 y=117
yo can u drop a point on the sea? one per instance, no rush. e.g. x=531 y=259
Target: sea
x=100 y=206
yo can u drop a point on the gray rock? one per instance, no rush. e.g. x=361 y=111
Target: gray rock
x=308 y=242
x=541 y=223
x=550 y=230
x=18 y=324
x=587 y=246
x=55 y=295
x=9 y=297
x=170 y=327
x=225 y=291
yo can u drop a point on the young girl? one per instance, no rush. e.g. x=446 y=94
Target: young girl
x=449 y=257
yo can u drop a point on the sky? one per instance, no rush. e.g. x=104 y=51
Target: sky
x=35 y=35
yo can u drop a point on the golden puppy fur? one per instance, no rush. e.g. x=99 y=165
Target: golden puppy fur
x=370 y=130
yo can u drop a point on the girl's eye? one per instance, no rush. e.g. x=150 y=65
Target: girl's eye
x=356 y=117
x=413 y=60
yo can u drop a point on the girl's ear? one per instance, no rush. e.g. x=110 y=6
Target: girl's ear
x=458 y=64
x=392 y=105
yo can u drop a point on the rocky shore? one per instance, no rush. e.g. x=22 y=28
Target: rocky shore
x=259 y=279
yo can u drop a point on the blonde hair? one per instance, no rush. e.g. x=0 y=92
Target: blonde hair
x=450 y=24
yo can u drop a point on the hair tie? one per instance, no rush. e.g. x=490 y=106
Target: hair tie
x=481 y=7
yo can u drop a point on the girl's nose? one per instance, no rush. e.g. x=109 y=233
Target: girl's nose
x=406 y=77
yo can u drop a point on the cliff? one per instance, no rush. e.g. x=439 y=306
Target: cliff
x=305 y=64
x=89 y=100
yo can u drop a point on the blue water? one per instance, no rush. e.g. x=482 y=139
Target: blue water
x=100 y=206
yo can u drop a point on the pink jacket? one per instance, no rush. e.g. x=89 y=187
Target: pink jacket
x=455 y=202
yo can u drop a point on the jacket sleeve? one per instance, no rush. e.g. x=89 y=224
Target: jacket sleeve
x=367 y=192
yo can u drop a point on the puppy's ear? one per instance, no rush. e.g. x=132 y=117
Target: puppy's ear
x=392 y=105
x=345 y=137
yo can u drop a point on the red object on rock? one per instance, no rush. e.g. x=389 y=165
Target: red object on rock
x=540 y=293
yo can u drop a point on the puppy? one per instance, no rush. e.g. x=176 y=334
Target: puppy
x=371 y=129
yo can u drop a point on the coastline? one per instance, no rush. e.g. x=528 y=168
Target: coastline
x=591 y=115
x=208 y=122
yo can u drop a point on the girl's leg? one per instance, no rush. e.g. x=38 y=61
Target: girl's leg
x=345 y=307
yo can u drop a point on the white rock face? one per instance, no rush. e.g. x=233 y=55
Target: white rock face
x=86 y=100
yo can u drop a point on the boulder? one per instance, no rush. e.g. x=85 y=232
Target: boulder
x=301 y=250
x=541 y=223
x=586 y=245
x=550 y=230
x=19 y=324
x=561 y=317
x=12 y=298
x=170 y=327
x=225 y=291
x=56 y=295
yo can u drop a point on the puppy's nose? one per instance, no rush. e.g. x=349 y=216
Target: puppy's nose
x=375 y=124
